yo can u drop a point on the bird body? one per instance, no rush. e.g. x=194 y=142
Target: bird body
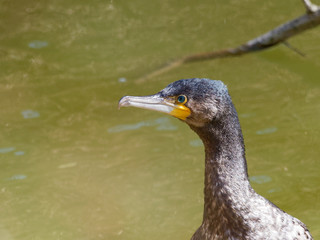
x=232 y=209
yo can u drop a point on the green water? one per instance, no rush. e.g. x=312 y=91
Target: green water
x=74 y=167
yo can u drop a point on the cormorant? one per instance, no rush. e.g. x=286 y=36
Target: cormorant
x=232 y=209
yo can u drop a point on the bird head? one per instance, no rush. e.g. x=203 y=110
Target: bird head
x=195 y=101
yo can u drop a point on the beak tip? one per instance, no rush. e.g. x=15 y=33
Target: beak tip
x=123 y=102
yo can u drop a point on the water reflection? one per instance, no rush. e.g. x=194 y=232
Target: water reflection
x=38 y=44
x=161 y=124
x=266 y=130
x=196 y=143
x=274 y=190
x=67 y=165
x=246 y=115
x=260 y=179
x=19 y=153
x=122 y=80
x=7 y=149
x=30 y=114
x=17 y=177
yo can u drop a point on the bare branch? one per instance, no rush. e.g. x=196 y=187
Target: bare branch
x=311 y=8
x=277 y=35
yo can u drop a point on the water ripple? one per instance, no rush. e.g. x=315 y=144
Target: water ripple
x=161 y=124
x=30 y=114
x=38 y=44
x=196 y=143
x=19 y=153
x=7 y=149
x=266 y=131
x=17 y=177
x=260 y=179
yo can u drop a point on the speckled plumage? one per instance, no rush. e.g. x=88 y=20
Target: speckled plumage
x=232 y=209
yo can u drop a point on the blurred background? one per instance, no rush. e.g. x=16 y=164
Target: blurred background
x=74 y=167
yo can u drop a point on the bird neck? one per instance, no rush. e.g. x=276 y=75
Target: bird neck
x=227 y=188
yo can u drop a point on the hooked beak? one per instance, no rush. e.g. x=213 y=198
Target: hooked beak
x=156 y=103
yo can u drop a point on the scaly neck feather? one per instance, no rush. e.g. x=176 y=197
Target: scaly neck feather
x=227 y=188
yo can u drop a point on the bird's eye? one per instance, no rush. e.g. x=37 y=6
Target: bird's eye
x=182 y=99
